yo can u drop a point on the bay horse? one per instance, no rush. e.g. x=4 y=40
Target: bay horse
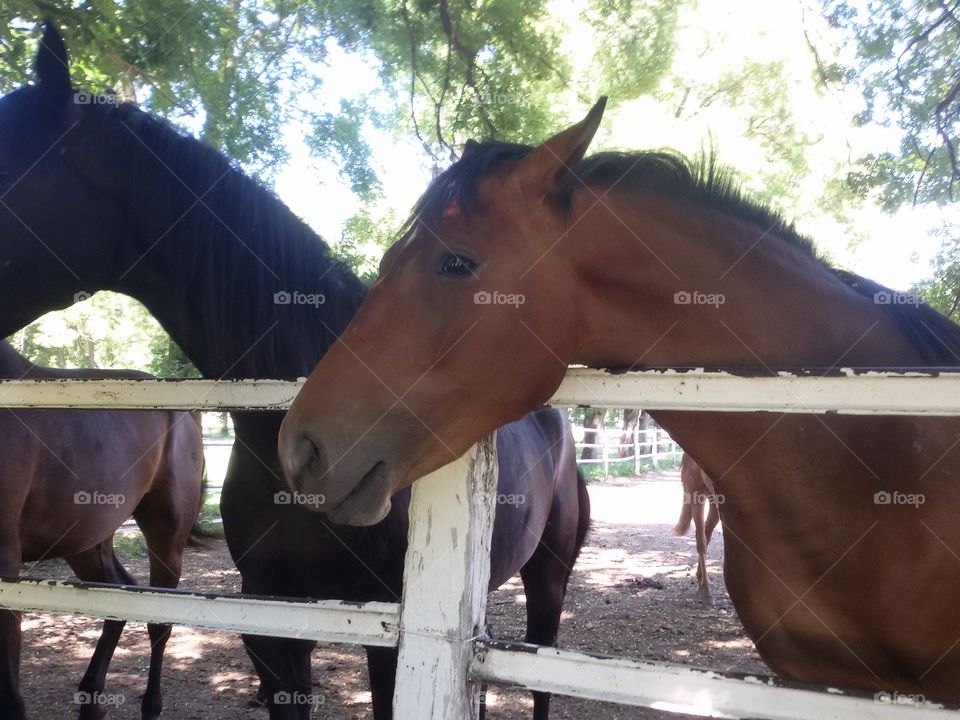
x=104 y=196
x=841 y=540
x=68 y=480
x=698 y=495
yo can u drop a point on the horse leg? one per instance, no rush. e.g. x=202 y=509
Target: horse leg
x=546 y=573
x=99 y=564
x=165 y=517
x=382 y=668
x=703 y=584
x=283 y=666
x=11 y=702
x=713 y=518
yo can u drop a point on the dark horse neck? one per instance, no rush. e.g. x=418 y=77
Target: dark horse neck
x=240 y=283
x=12 y=364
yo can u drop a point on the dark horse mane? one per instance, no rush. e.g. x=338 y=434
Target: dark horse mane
x=703 y=182
x=241 y=231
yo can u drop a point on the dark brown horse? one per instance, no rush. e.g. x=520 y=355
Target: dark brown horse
x=104 y=196
x=698 y=495
x=68 y=479
x=841 y=540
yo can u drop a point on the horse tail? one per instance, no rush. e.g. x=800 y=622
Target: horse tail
x=583 y=521
x=686 y=517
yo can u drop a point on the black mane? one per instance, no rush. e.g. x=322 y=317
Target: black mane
x=703 y=182
x=231 y=252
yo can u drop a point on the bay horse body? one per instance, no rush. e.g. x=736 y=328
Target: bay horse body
x=124 y=202
x=698 y=496
x=841 y=540
x=68 y=480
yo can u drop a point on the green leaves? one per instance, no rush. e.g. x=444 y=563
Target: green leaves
x=635 y=44
x=908 y=71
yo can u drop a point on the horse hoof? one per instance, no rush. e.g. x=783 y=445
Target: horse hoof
x=93 y=712
x=150 y=711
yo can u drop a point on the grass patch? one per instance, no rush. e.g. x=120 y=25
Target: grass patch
x=129 y=545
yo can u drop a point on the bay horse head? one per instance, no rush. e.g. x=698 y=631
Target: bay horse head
x=413 y=379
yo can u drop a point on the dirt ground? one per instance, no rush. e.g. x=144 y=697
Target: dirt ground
x=632 y=593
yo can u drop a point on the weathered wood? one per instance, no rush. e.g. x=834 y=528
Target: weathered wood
x=373 y=623
x=883 y=393
x=692 y=691
x=446 y=576
x=210 y=395
x=867 y=393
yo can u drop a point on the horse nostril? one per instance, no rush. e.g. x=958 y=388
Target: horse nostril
x=302 y=461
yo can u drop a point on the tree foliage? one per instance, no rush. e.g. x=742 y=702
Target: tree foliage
x=908 y=68
x=225 y=68
x=942 y=289
x=105 y=330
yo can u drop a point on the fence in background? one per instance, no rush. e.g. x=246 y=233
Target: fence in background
x=646 y=450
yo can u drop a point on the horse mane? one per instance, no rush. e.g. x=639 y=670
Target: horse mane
x=704 y=182
x=934 y=335
x=252 y=239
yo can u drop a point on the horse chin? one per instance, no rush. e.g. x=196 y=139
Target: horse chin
x=369 y=502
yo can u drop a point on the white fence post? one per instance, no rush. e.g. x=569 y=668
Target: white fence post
x=606 y=456
x=446 y=576
x=636 y=447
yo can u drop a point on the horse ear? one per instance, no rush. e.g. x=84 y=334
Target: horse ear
x=53 y=71
x=551 y=164
x=469 y=147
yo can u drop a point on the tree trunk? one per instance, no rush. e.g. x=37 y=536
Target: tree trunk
x=645 y=447
x=626 y=435
x=592 y=425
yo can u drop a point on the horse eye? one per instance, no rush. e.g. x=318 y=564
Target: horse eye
x=454 y=265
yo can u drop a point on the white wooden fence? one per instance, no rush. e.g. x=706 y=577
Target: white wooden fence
x=439 y=625
x=653 y=444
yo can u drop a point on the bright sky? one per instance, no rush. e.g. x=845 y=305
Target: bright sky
x=894 y=250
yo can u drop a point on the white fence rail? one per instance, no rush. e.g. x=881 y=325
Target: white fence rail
x=439 y=625
x=653 y=444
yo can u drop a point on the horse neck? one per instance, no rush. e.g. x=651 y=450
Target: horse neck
x=781 y=307
x=212 y=249
x=13 y=365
